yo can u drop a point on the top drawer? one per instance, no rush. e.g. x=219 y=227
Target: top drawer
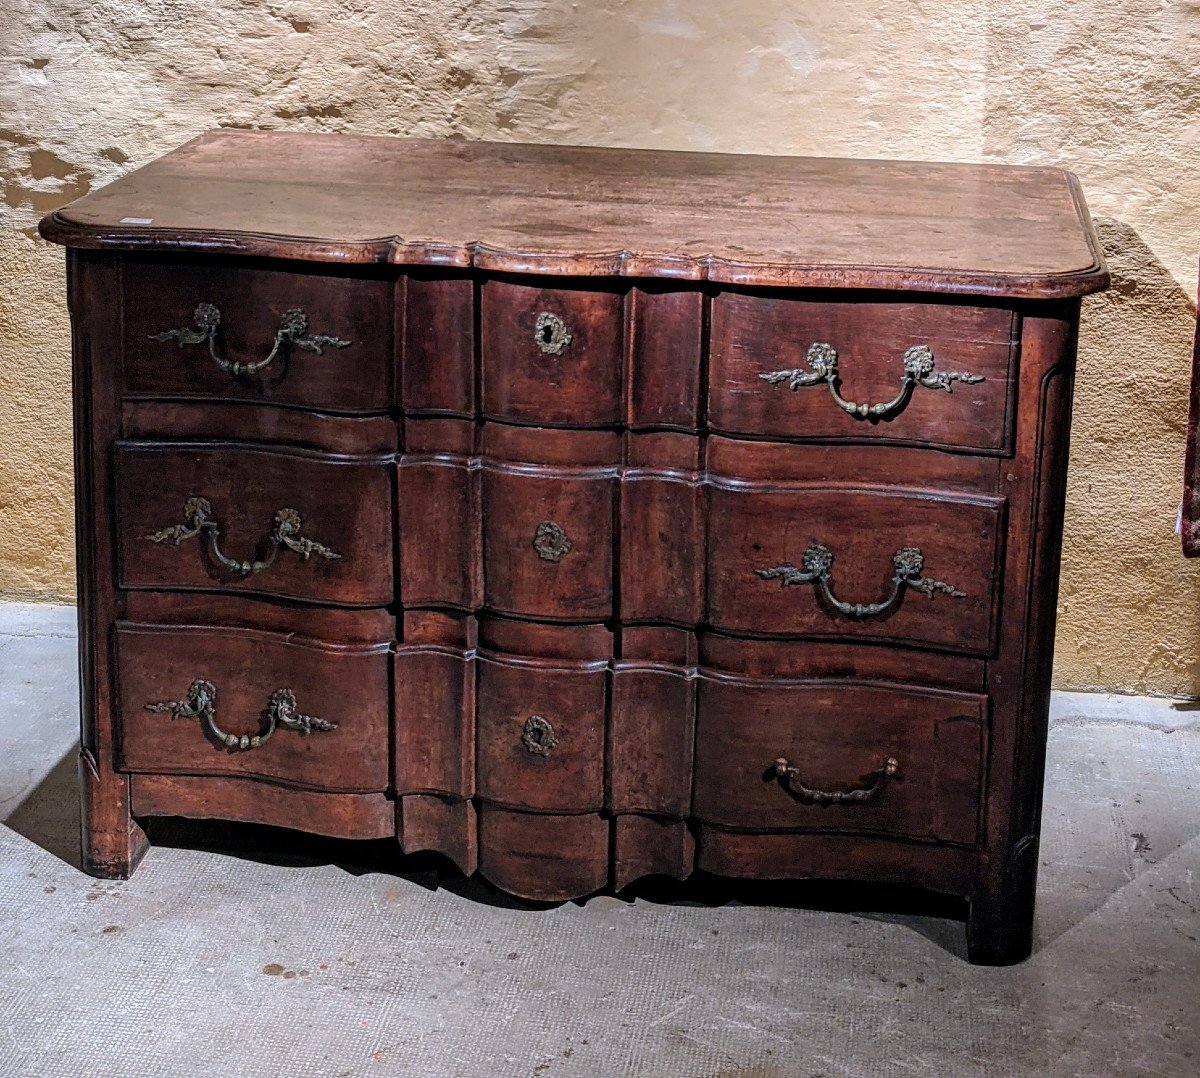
x=254 y=331
x=551 y=355
x=931 y=374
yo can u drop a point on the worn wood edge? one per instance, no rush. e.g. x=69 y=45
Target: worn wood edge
x=147 y=402
x=523 y=808
x=857 y=834
x=445 y=825
x=1100 y=263
x=935 y=866
x=248 y=778
x=158 y=447
x=58 y=227
x=366 y=815
x=292 y=639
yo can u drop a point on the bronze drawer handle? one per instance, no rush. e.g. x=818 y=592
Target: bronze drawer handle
x=285 y=532
x=201 y=703
x=789 y=778
x=818 y=560
x=918 y=370
x=550 y=333
x=293 y=329
x=538 y=736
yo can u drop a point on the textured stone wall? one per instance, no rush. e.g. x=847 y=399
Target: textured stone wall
x=1105 y=87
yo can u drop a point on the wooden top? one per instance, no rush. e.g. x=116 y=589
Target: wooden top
x=519 y=208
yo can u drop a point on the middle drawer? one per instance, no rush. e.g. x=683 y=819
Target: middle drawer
x=878 y=563
x=277 y=521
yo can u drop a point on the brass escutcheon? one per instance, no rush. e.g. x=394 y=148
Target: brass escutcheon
x=550 y=541
x=538 y=736
x=550 y=333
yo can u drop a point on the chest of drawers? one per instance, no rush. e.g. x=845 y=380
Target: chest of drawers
x=579 y=514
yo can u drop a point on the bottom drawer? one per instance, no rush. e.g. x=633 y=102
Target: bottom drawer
x=542 y=857
x=839 y=756
x=225 y=701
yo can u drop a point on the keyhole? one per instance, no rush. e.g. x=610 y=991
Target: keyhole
x=547 y=333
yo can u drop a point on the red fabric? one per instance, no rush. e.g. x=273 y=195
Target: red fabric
x=1190 y=511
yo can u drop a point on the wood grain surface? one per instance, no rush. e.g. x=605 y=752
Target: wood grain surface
x=518 y=208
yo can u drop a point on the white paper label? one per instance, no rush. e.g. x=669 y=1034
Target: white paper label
x=137 y=220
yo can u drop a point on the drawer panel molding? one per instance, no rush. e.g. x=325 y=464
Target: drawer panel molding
x=256 y=518
x=552 y=355
x=926 y=374
x=775 y=754
x=223 y=701
x=849 y=539
x=256 y=331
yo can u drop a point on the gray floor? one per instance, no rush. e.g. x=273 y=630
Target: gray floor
x=219 y=958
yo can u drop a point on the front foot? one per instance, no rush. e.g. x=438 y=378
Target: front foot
x=112 y=842
x=996 y=937
x=114 y=857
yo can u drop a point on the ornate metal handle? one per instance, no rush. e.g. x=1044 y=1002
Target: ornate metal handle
x=293 y=329
x=550 y=333
x=818 y=560
x=285 y=532
x=918 y=370
x=550 y=541
x=201 y=703
x=789 y=778
x=538 y=736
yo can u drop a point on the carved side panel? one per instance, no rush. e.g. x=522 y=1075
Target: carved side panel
x=651 y=737
x=442 y=824
x=649 y=846
x=438 y=370
x=666 y=330
x=1000 y=928
x=662 y=528
x=438 y=502
x=434 y=709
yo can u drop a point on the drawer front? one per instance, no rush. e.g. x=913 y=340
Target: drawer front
x=541 y=857
x=908 y=373
x=291 y=523
x=838 y=756
x=911 y=567
x=541 y=733
x=238 y=702
x=215 y=329
x=547 y=541
x=551 y=355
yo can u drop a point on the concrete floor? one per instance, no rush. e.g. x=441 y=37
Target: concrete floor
x=226 y=955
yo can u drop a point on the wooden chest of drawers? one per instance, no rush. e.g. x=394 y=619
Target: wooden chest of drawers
x=579 y=514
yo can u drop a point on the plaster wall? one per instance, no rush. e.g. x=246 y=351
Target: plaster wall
x=1107 y=88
